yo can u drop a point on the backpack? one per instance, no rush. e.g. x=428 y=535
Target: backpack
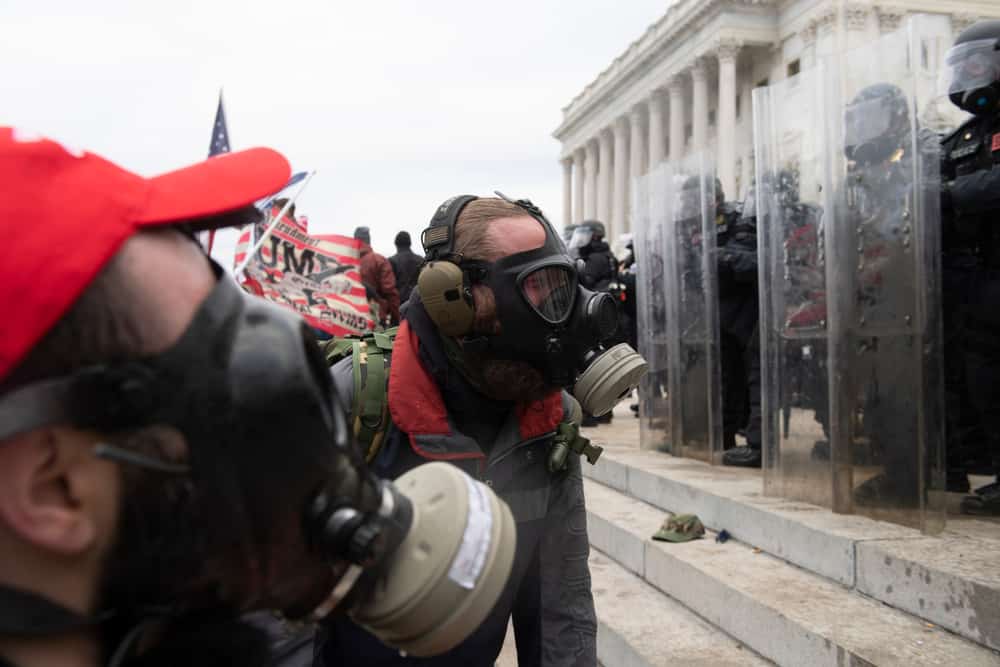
x=371 y=354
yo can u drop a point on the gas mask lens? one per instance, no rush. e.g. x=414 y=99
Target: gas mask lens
x=550 y=290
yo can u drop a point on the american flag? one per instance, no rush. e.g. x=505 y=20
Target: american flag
x=220 y=133
x=218 y=145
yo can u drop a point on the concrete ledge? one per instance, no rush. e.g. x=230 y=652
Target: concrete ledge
x=786 y=614
x=954 y=582
x=729 y=498
x=958 y=585
x=637 y=626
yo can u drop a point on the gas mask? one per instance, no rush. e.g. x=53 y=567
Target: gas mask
x=547 y=319
x=284 y=512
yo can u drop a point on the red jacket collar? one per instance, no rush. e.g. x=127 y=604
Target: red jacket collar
x=417 y=408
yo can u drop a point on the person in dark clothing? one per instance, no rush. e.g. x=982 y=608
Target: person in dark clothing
x=376 y=273
x=736 y=240
x=599 y=264
x=496 y=418
x=598 y=268
x=406 y=266
x=971 y=263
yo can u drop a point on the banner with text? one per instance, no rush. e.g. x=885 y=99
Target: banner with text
x=316 y=276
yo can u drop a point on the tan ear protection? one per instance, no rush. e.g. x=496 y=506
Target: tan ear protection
x=443 y=285
x=446 y=297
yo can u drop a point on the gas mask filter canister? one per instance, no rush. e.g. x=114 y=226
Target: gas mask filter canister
x=444 y=578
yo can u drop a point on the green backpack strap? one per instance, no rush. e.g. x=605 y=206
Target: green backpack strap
x=371 y=357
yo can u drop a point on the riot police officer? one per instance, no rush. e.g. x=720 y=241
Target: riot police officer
x=971 y=253
x=736 y=240
x=739 y=337
x=597 y=269
x=599 y=265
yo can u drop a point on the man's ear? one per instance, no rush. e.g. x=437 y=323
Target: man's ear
x=54 y=493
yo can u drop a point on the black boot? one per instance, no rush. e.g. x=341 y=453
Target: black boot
x=743 y=457
x=985 y=501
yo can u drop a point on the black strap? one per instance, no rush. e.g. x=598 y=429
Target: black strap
x=24 y=614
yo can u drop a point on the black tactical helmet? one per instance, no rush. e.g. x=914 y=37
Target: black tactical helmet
x=596 y=227
x=973 y=69
x=876 y=124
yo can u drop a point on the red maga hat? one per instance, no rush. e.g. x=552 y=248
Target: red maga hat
x=65 y=213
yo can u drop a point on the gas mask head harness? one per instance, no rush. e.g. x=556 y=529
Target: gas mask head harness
x=547 y=318
x=285 y=512
x=971 y=77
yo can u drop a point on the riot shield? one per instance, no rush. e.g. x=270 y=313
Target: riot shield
x=851 y=310
x=792 y=182
x=690 y=281
x=651 y=313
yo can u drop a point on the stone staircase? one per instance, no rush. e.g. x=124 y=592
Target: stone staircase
x=795 y=584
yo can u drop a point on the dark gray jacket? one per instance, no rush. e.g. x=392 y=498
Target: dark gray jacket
x=548 y=594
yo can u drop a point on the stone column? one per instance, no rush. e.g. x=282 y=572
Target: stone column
x=726 y=121
x=655 y=129
x=746 y=116
x=856 y=20
x=567 y=165
x=578 y=184
x=590 y=192
x=619 y=191
x=889 y=18
x=604 y=177
x=699 y=106
x=676 y=88
x=808 y=36
x=635 y=162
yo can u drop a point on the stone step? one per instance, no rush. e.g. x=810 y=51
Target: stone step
x=638 y=626
x=952 y=580
x=784 y=613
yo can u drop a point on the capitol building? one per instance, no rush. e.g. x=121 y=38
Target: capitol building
x=685 y=85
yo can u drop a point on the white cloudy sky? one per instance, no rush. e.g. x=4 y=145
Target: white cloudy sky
x=397 y=104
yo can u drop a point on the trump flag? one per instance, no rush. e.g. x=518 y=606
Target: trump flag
x=316 y=276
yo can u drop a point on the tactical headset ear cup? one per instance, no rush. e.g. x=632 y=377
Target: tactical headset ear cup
x=445 y=297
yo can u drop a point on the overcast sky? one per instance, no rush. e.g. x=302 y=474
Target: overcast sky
x=398 y=105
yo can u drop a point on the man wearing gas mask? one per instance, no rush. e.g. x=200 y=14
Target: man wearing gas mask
x=170 y=452
x=497 y=326
x=971 y=264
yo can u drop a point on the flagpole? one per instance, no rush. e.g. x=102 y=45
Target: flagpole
x=220 y=107
x=274 y=223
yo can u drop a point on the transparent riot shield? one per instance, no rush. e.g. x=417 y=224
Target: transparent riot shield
x=850 y=308
x=792 y=176
x=690 y=281
x=651 y=310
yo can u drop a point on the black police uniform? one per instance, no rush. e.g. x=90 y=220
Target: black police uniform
x=971 y=282
x=739 y=340
x=597 y=271
x=736 y=240
x=971 y=262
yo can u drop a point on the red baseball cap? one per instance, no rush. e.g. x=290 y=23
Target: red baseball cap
x=65 y=213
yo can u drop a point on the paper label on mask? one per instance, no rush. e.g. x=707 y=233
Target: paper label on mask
x=475 y=547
